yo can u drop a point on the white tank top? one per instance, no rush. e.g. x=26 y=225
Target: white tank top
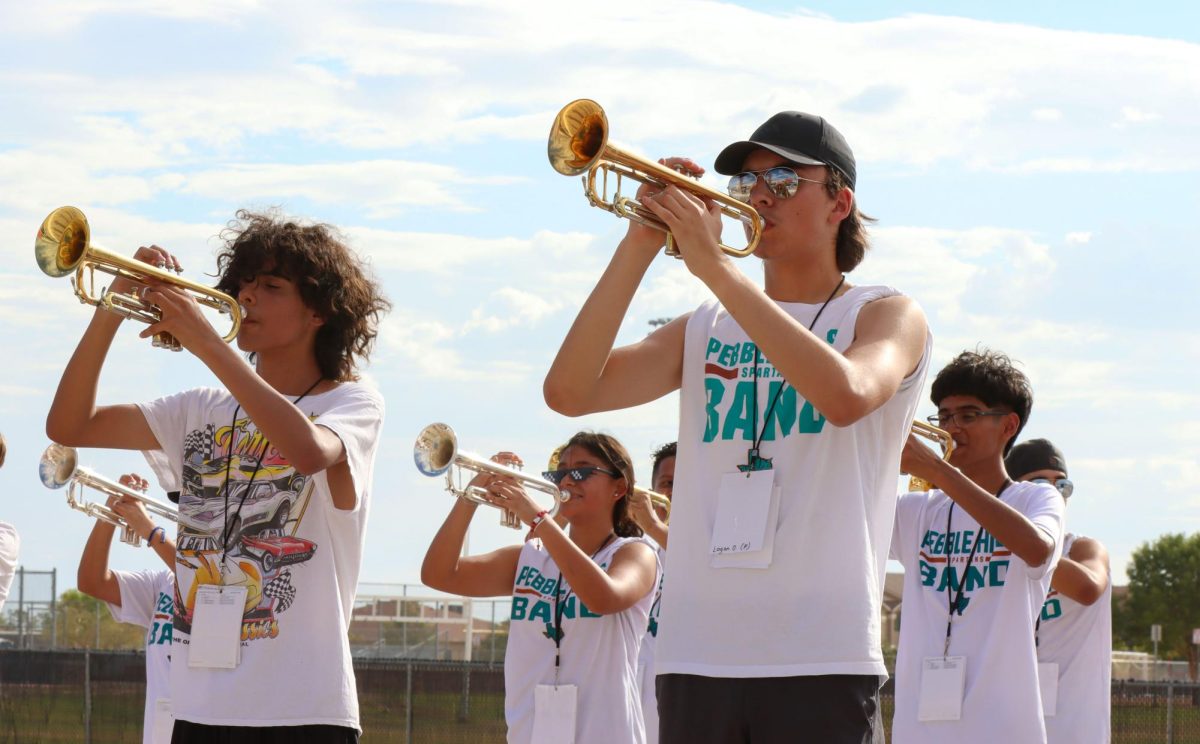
x=598 y=653
x=816 y=609
x=1078 y=638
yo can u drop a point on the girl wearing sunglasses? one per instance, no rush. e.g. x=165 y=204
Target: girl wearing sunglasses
x=581 y=595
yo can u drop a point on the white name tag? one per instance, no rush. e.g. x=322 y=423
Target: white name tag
x=554 y=714
x=943 y=679
x=743 y=504
x=164 y=721
x=755 y=558
x=216 y=637
x=1048 y=684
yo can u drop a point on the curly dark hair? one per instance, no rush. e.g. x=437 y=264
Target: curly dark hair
x=608 y=449
x=331 y=280
x=852 y=238
x=991 y=377
x=660 y=454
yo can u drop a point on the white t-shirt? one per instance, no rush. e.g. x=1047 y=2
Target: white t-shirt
x=1078 y=638
x=646 y=655
x=10 y=548
x=1000 y=602
x=148 y=600
x=598 y=653
x=816 y=609
x=297 y=555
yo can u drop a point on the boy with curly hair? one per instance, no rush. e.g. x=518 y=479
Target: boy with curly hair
x=274 y=468
x=978 y=551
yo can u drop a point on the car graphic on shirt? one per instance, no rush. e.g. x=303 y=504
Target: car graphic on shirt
x=252 y=507
x=273 y=549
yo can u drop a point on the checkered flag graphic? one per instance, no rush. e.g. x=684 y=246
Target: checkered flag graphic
x=199 y=442
x=281 y=590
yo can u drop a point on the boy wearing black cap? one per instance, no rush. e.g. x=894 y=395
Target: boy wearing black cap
x=978 y=551
x=795 y=400
x=1074 y=631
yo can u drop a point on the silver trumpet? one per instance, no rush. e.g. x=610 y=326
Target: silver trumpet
x=436 y=452
x=59 y=467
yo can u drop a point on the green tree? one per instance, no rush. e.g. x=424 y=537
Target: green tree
x=1164 y=589
x=81 y=618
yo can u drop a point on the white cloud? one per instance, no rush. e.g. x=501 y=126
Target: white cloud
x=511 y=308
x=383 y=188
x=1082 y=237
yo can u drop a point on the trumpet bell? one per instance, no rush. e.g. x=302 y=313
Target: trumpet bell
x=578 y=137
x=56 y=466
x=435 y=448
x=62 y=241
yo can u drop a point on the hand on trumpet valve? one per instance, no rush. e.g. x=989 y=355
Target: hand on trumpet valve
x=130 y=509
x=153 y=256
x=919 y=460
x=180 y=316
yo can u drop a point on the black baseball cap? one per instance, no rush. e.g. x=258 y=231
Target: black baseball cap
x=1033 y=455
x=805 y=139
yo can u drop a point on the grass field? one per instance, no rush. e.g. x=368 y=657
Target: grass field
x=36 y=714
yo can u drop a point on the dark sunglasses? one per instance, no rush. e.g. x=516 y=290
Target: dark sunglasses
x=579 y=475
x=780 y=180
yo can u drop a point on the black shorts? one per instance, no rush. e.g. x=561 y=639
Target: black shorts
x=831 y=709
x=186 y=732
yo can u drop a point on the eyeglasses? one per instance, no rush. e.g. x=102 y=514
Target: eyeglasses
x=781 y=181
x=962 y=418
x=1064 y=485
x=579 y=475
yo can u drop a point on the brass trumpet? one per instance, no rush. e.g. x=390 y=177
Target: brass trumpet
x=436 y=453
x=578 y=144
x=933 y=434
x=64 y=245
x=59 y=466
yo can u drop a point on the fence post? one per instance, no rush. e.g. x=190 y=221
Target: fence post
x=464 y=709
x=54 y=608
x=1170 y=711
x=87 y=696
x=408 y=706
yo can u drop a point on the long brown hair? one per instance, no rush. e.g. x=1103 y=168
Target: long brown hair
x=612 y=452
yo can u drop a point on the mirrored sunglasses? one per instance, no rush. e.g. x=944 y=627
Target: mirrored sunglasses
x=1064 y=485
x=781 y=181
x=579 y=475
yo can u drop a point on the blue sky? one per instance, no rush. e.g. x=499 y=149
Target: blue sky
x=1033 y=168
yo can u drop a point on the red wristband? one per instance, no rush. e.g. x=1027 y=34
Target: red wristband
x=541 y=517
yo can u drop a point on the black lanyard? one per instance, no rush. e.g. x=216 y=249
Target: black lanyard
x=246 y=492
x=962 y=581
x=558 y=614
x=753 y=461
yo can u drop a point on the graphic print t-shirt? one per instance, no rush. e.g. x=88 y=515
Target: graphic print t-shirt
x=994 y=628
x=297 y=555
x=148 y=600
x=599 y=653
x=816 y=608
x=1078 y=638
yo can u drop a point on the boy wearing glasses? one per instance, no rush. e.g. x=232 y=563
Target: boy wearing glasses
x=795 y=399
x=1074 y=631
x=978 y=551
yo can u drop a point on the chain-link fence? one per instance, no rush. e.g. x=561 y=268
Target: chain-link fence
x=94 y=696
